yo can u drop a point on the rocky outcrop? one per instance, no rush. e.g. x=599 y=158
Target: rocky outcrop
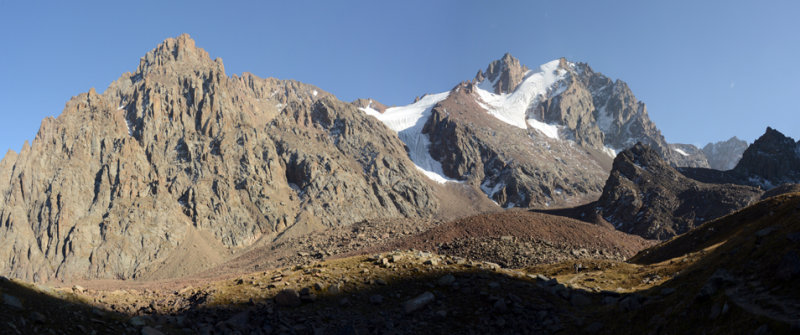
x=369 y=103
x=116 y=182
x=645 y=196
x=724 y=155
x=771 y=160
x=505 y=74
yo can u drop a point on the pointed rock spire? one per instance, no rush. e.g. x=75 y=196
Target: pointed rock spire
x=180 y=50
x=505 y=74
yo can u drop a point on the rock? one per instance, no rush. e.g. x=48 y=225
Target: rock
x=12 y=301
x=137 y=321
x=789 y=266
x=594 y=328
x=765 y=231
x=500 y=305
x=396 y=258
x=431 y=261
x=318 y=286
x=580 y=299
x=418 y=302
x=491 y=266
x=239 y=320
x=288 y=298
x=151 y=331
x=376 y=299
x=630 y=303
x=38 y=317
x=446 y=280
x=78 y=289
x=335 y=289
x=381 y=281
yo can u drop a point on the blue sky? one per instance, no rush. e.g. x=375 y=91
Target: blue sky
x=707 y=70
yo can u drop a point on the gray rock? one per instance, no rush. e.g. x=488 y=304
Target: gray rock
x=12 y=301
x=288 y=298
x=765 y=231
x=137 y=321
x=418 y=302
x=446 y=280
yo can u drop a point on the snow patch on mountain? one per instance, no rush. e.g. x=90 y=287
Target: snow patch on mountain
x=408 y=122
x=512 y=108
x=683 y=153
x=610 y=151
x=548 y=130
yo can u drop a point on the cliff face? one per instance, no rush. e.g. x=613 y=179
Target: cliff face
x=178 y=148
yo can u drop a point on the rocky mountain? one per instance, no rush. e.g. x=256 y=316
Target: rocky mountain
x=180 y=156
x=527 y=138
x=724 y=155
x=646 y=196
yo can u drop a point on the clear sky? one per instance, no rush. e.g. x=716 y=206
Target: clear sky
x=708 y=70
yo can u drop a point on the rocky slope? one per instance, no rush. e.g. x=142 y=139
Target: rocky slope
x=178 y=149
x=519 y=238
x=646 y=196
x=736 y=274
x=724 y=155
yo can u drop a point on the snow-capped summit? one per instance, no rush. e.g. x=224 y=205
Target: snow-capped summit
x=542 y=136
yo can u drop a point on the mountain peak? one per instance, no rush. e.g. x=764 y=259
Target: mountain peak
x=505 y=74
x=180 y=50
x=772 y=158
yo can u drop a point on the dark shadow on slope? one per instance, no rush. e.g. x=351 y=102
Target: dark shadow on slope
x=30 y=309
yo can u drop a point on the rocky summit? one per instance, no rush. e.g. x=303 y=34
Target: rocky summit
x=179 y=153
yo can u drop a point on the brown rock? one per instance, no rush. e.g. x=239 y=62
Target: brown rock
x=288 y=298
